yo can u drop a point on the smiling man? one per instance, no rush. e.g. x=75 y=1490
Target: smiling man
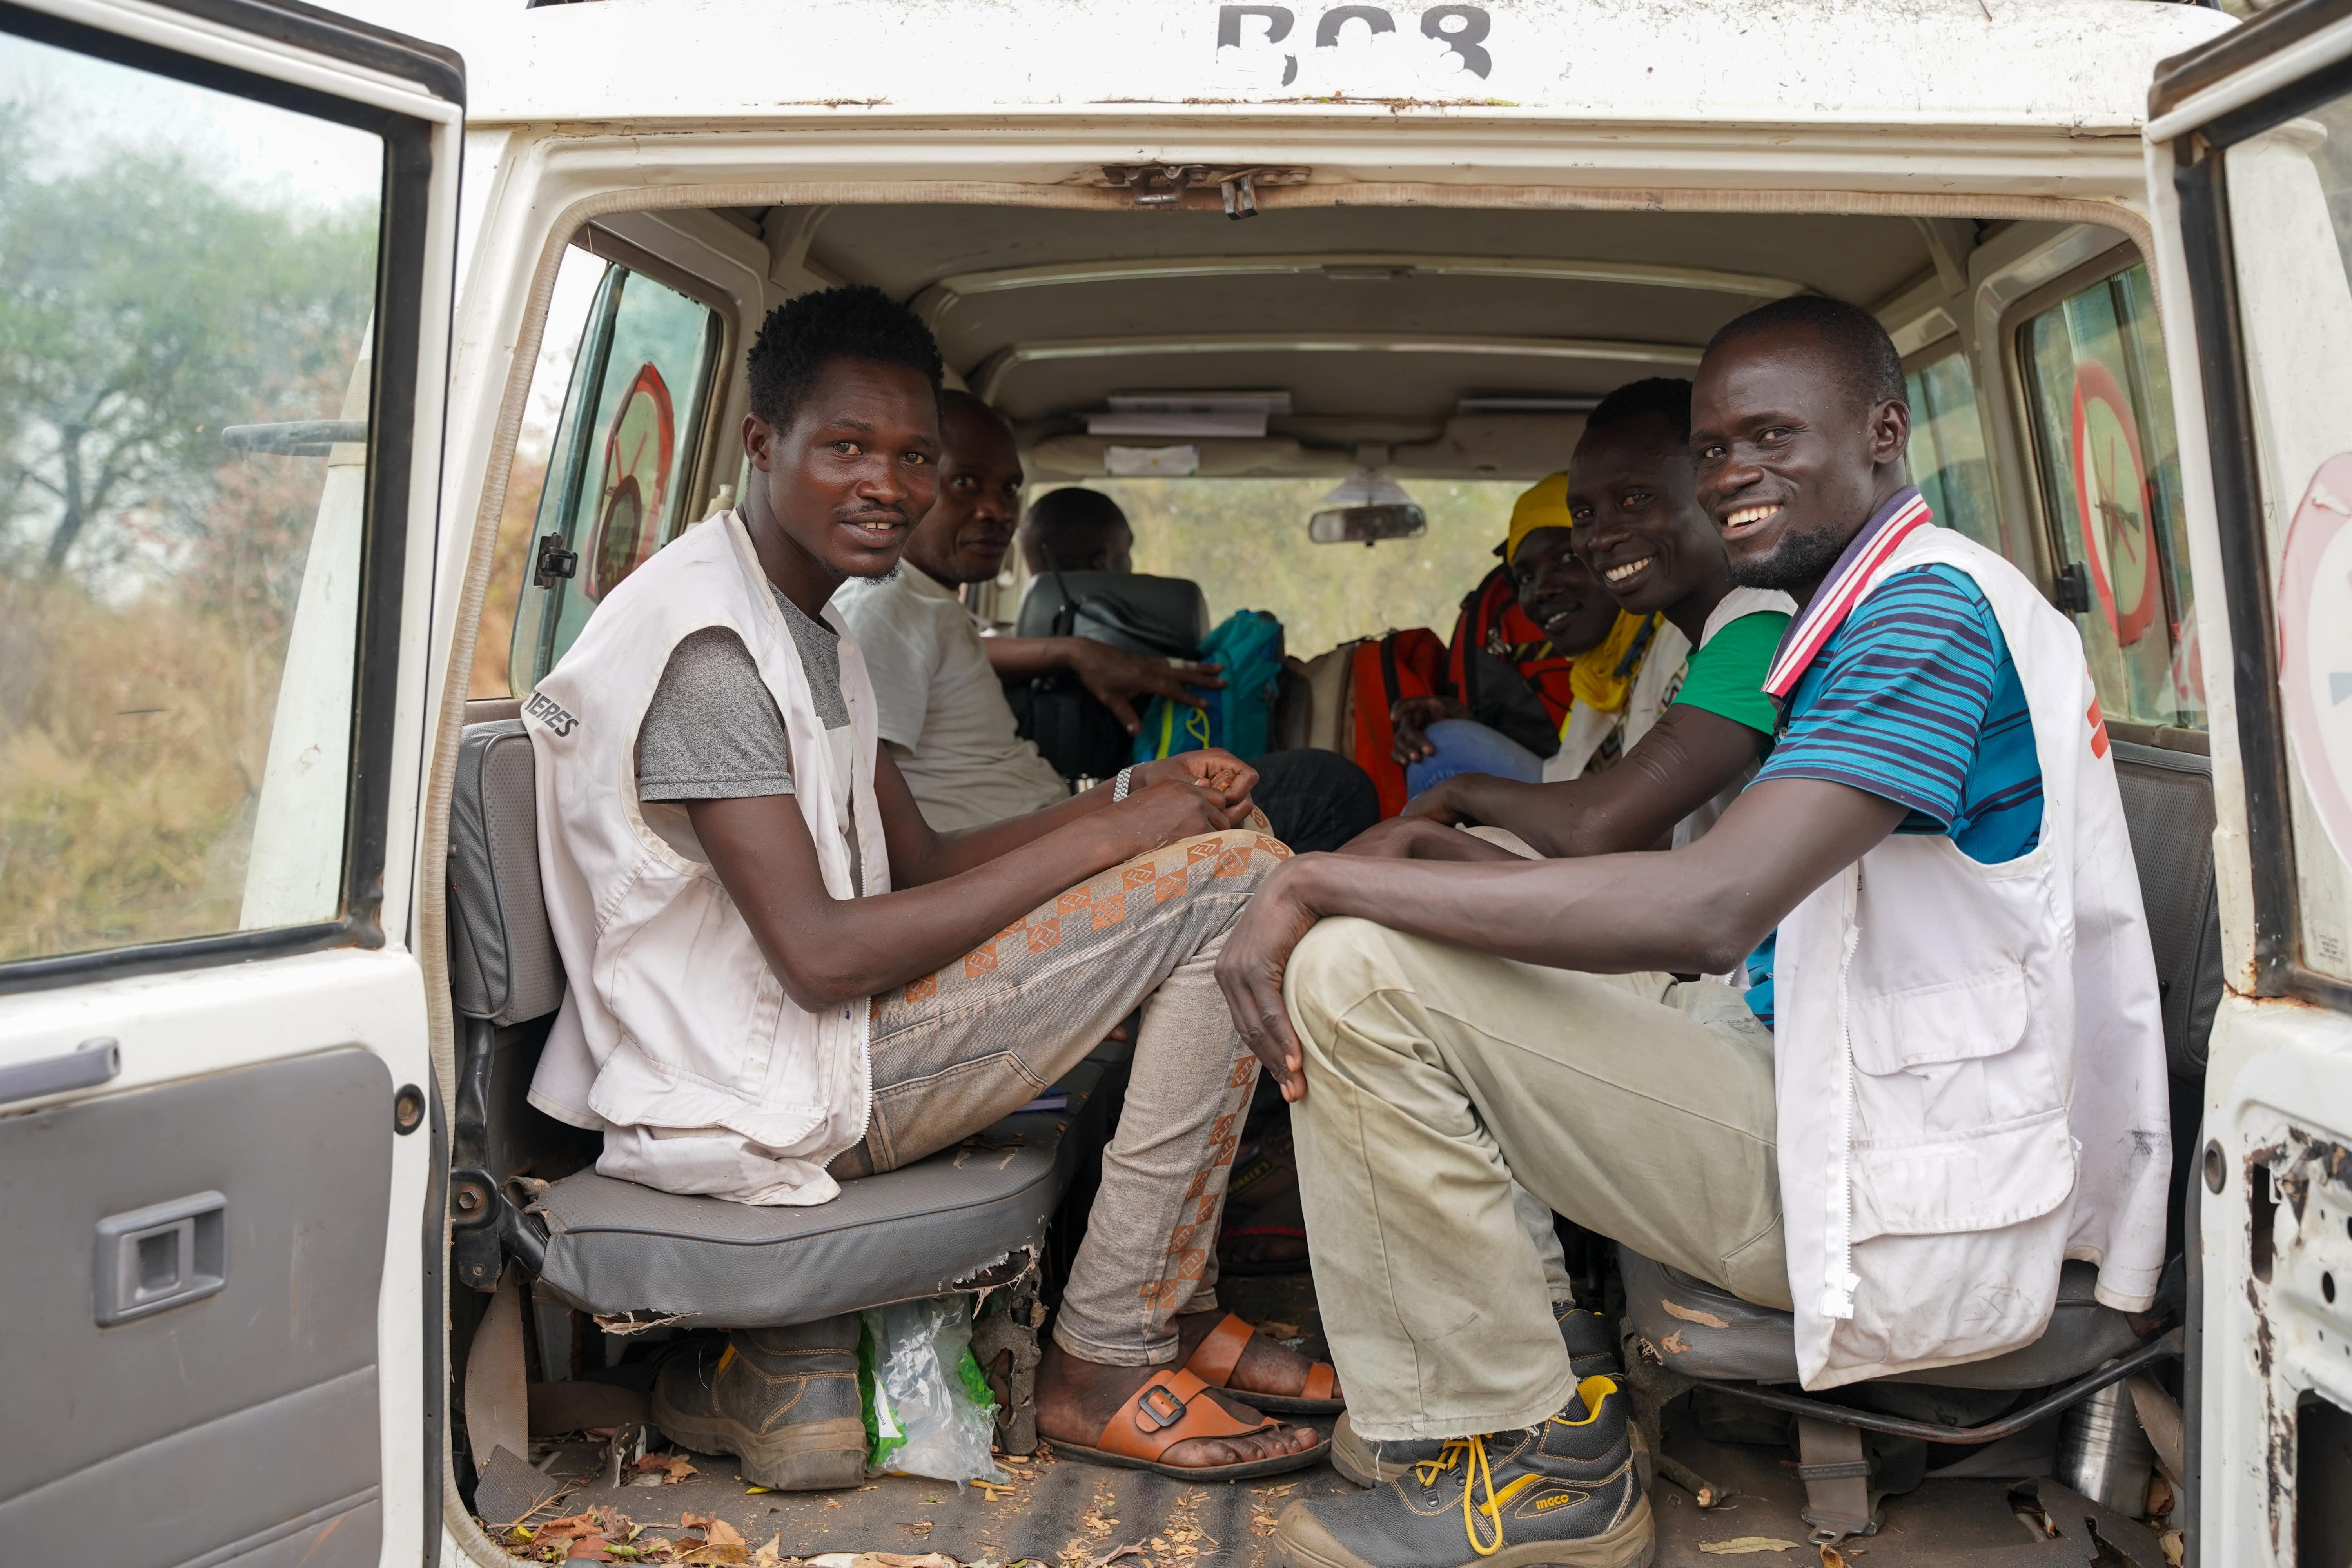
x=781 y=975
x=939 y=683
x=1685 y=690
x=1958 y=1084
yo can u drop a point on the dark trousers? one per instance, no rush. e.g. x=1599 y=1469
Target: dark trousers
x=1314 y=799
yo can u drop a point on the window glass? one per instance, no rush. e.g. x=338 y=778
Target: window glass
x=2110 y=469
x=186 y=280
x=1948 y=450
x=624 y=455
x=1244 y=541
x=2290 y=197
x=577 y=278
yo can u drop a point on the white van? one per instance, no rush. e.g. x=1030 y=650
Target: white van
x=340 y=374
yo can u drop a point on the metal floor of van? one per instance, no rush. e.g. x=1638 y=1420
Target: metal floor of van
x=1065 y=1514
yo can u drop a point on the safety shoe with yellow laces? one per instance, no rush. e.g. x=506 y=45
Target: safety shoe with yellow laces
x=1591 y=1351
x=1562 y=1492
x=784 y=1400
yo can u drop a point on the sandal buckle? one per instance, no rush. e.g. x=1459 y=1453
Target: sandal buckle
x=1157 y=1408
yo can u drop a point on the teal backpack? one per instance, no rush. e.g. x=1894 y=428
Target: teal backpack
x=1248 y=644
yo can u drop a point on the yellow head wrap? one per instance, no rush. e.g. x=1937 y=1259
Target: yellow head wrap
x=1603 y=676
x=1544 y=505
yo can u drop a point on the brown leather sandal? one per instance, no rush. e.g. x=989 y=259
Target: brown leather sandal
x=1172 y=1407
x=1213 y=1360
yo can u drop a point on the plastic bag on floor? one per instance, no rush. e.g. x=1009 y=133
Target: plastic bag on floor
x=928 y=1407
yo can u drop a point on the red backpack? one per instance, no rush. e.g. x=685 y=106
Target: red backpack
x=1382 y=670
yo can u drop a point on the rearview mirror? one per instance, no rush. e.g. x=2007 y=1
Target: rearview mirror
x=1367 y=524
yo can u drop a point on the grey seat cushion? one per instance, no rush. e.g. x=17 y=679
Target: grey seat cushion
x=503 y=965
x=614 y=1247
x=1705 y=1331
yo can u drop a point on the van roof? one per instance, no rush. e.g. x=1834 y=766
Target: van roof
x=2079 y=65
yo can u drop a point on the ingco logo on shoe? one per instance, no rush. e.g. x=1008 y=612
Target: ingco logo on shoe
x=1549 y=1500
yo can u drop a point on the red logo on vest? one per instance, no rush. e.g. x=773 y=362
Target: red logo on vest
x=2098 y=728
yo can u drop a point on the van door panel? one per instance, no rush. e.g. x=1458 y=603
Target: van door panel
x=213 y=1276
x=2255 y=192
x=245 y=1416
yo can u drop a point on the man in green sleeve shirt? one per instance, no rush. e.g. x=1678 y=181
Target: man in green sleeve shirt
x=1690 y=720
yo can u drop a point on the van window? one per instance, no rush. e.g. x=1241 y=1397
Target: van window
x=578 y=277
x=2100 y=404
x=1947 y=448
x=1244 y=541
x=187 y=278
x=624 y=453
x=2290 y=206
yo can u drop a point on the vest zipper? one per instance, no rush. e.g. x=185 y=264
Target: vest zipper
x=1841 y=1282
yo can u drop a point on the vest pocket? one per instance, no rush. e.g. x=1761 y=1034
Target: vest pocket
x=1995 y=1176
x=1960 y=1120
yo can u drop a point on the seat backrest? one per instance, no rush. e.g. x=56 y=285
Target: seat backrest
x=503 y=965
x=1172 y=606
x=2168 y=808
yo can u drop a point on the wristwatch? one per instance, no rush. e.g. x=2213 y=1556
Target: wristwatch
x=1119 y=786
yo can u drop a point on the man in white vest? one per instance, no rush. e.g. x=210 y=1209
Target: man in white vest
x=781 y=976
x=1946 y=1077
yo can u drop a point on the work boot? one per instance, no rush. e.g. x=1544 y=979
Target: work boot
x=783 y=1401
x=1563 y=1491
x=1592 y=1351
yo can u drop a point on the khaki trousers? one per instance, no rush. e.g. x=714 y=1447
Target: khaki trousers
x=1637 y=1106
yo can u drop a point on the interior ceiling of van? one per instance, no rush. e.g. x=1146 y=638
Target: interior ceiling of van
x=1379 y=323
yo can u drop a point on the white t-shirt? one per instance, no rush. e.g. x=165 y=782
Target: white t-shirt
x=941 y=708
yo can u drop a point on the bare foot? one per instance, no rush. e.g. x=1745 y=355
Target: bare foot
x=1077 y=1399
x=1267 y=1365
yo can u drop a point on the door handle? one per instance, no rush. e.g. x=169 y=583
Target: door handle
x=87 y=1064
x=164 y=1255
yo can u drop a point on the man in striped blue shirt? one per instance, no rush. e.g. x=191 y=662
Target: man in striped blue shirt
x=1446 y=1029
x=1915 y=700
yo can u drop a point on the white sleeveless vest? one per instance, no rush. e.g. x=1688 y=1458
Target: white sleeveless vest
x=673 y=1018
x=1970 y=1062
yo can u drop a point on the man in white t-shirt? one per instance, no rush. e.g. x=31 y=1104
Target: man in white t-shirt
x=937 y=683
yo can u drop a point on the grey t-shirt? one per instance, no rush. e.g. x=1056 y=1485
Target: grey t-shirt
x=712 y=731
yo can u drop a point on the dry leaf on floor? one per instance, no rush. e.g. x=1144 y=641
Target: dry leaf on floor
x=1740 y=1546
x=589 y=1548
x=770 y=1555
x=2174 y=1546
x=1832 y=1557
x=1115 y=1554
x=1279 y=1331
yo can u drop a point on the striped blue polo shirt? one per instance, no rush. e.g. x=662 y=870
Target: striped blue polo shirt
x=1917 y=699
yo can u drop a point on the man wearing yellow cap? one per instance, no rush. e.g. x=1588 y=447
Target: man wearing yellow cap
x=1513 y=663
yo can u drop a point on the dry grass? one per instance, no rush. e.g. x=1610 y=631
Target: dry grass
x=131 y=743
x=489 y=676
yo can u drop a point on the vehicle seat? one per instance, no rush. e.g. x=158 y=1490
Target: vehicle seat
x=615 y=1247
x=1704 y=1332
x=1114 y=606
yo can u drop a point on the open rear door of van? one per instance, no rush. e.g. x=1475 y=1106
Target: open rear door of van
x=226 y=233
x=2249 y=170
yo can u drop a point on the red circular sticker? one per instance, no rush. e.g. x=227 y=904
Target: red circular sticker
x=636 y=471
x=2314 y=611
x=2111 y=488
